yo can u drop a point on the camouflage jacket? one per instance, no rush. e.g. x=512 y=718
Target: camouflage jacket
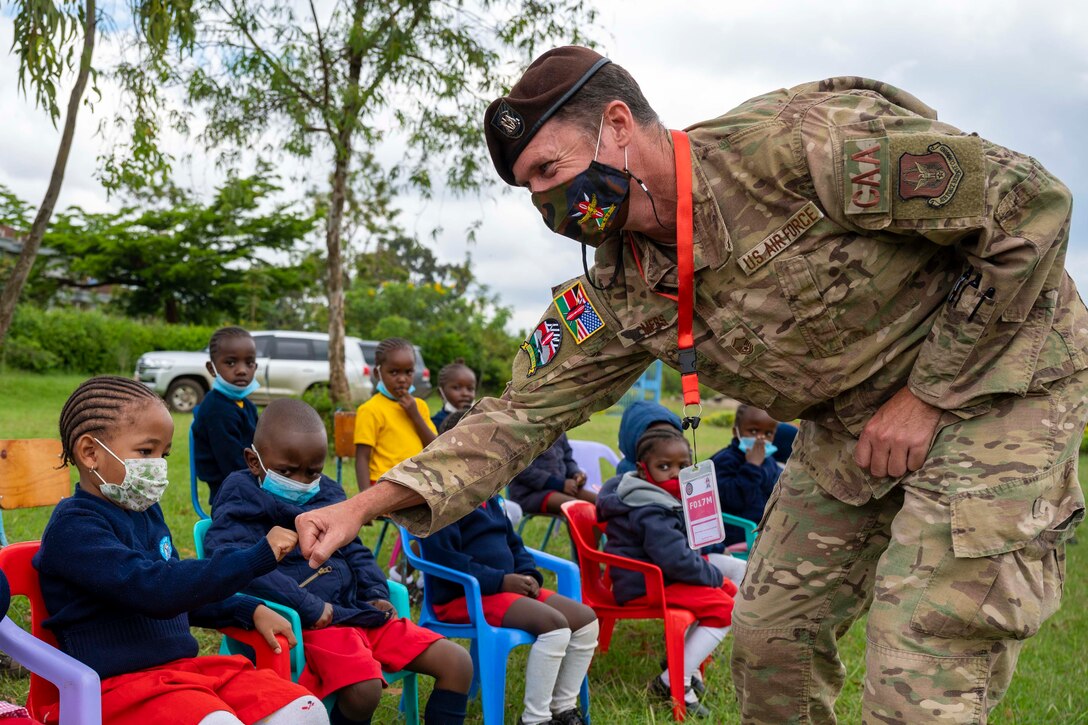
x=846 y=244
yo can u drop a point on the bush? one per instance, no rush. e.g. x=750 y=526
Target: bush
x=722 y=419
x=90 y=342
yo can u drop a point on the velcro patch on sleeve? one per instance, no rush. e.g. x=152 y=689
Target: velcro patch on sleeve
x=866 y=176
x=937 y=176
x=773 y=244
x=578 y=314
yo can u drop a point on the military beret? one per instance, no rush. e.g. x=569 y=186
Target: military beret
x=511 y=122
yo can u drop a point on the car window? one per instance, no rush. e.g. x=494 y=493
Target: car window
x=262 y=342
x=368 y=349
x=292 y=348
x=320 y=349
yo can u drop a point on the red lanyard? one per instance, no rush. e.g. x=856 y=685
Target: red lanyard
x=685 y=268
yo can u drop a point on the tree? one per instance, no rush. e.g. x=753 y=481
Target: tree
x=190 y=261
x=46 y=37
x=342 y=80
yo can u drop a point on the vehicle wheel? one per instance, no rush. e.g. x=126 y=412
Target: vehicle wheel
x=184 y=394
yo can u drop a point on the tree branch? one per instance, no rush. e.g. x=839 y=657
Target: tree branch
x=321 y=53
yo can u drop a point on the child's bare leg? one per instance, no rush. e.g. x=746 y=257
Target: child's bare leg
x=357 y=702
x=545 y=656
x=585 y=495
x=555 y=502
x=448 y=663
x=576 y=614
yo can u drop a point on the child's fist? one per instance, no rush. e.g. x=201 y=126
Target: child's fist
x=282 y=541
x=518 y=584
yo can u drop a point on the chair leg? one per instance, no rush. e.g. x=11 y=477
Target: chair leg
x=583 y=696
x=548 y=534
x=381 y=539
x=394 y=554
x=493 y=683
x=3 y=534
x=675 y=629
x=409 y=699
x=604 y=636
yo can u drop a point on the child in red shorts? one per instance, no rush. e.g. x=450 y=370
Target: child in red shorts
x=645 y=522
x=485 y=545
x=121 y=601
x=351 y=630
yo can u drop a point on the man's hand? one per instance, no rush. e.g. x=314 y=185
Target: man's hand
x=322 y=531
x=518 y=584
x=757 y=453
x=325 y=619
x=282 y=541
x=898 y=436
x=268 y=623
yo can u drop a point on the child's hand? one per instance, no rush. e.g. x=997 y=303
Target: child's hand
x=385 y=606
x=325 y=619
x=283 y=541
x=570 y=487
x=535 y=587
x=408 y=402
x=580 y=478
x=518 y=584
x=757 y=453
x=269 y=624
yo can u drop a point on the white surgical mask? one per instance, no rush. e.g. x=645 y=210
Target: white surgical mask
x=145 y=481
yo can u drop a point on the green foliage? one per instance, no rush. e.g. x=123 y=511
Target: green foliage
x=192 y=261
x=445 y=325
x=722 y=419
x=92 y=343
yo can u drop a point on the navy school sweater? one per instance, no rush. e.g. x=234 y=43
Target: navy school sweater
x=545 y=474
x=482 y=544
x=244 y=512
x=646 y=523
x=119 y=597
x=744 y=488
x=222 y=429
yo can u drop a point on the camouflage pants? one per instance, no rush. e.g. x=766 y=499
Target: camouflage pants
x=956 y=566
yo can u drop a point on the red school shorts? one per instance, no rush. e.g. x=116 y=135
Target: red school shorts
x=495 y=606
x=340 y=656
x=184 y=691
x=711 y=607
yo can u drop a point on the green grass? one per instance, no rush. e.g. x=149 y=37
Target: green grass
x=1048 y=688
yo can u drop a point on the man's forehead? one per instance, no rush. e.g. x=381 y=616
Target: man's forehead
x=554 y=139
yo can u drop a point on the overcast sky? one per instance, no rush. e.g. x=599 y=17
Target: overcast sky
x=1015 y=72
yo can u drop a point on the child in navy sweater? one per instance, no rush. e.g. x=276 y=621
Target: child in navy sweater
x=485 y=545
x=552 y=479
x=120 y=599
x=350 y=628
x=747 y=469
x=645 y=522
x=457 y=388
x=224 y=422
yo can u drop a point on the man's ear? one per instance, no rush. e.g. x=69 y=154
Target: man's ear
x=87 y=453
x=618 y=117
x=251 y=461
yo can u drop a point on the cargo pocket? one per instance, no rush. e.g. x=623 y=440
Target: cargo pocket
x=1005 y=573
x=808 y=308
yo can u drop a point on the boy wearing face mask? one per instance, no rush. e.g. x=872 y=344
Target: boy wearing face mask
x=224 y=422
x=394 y=424
x=747 y=469
x=351 y=630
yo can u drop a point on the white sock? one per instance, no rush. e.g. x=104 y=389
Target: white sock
x=698 y=645
x=220 y=717
x=545 y=658
x=731 y=567
x=306 y=710
x=568 y=682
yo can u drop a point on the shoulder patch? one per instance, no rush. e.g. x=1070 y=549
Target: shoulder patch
x=865 y=176
x=578 y=314
x=794 y=228
x=542 y=345
x=937 y=176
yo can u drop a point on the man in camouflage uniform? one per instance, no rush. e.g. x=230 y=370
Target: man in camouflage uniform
x=893 y=282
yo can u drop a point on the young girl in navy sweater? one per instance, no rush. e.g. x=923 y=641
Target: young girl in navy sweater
x=646 y=522
x=350 y=628
x=485 y=545
x=224 y=422
x=120 y=599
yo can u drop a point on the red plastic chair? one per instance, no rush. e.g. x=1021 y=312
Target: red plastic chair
x=43 y=701
x=586 y=533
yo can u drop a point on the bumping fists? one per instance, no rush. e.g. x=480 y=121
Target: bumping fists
x=283 y=541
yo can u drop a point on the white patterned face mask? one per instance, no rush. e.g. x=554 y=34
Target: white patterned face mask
x=145 y=481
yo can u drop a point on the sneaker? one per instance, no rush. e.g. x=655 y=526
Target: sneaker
x=697 y=684
x=696 y=709
x=570 y=717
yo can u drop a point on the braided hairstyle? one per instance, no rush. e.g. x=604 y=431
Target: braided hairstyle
x=96 y=407
x=651 y=438
x=454 y=367
x=222 y=334
x=387 y=346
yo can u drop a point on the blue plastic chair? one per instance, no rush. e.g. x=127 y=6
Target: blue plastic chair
x=194 y=484
x=398 y=597
x=749 y=532
x=491 y=645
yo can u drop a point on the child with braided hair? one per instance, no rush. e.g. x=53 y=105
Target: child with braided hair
x=457 y=388
x=120 y=599
x=394 y=424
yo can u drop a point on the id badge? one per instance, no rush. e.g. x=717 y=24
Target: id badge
x=702 y=508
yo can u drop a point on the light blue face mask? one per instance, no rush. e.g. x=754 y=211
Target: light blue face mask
x=747 y=443
x=232 y=391
x=384 y=390
x=286 y=488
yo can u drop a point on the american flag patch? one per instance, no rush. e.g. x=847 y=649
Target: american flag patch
x=578 y=314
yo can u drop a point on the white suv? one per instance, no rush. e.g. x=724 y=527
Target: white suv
x=288 y=365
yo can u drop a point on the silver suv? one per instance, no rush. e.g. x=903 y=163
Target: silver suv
x=288 y=365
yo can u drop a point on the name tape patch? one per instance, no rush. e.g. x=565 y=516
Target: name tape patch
x=865 y=176
x=779 y=239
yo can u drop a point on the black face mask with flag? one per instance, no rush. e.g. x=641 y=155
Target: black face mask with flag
x=591 y=207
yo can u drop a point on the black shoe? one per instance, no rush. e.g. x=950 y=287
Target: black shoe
x=697 y=684
x=570 y=717
x=660 y=690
